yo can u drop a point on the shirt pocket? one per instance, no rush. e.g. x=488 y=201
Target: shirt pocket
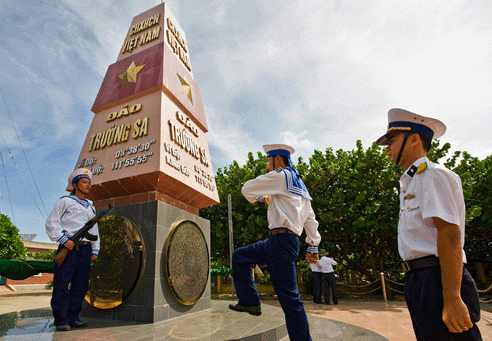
x=412 y=214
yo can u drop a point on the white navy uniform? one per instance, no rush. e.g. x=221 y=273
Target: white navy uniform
x=426 y=192
x=289 y=210
x=285 y=209
x=326 y=264
x=68 y=216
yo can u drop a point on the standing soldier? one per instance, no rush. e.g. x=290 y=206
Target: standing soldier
x=440 y=293
x=328 y=274
x=289 y=212
x=71 y=279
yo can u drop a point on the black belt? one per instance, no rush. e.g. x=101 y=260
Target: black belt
x=278 y=230
x=420 y=263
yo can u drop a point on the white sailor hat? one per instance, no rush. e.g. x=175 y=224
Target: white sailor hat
x=80 y=173
x=278 y=149
x=402 y=120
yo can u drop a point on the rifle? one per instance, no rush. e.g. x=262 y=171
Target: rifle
x=82 y=233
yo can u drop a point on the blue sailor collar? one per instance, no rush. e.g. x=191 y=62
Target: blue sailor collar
x=84 y=202
x=418 y=166
x=294 y=182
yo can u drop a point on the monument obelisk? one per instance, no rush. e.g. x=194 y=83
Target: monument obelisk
x=148 y=153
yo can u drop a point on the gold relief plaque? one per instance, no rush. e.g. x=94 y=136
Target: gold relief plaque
x=118 y=269
x=186 y=262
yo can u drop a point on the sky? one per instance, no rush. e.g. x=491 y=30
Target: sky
x=311 y=74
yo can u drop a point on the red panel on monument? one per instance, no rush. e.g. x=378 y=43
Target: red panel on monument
x=147 y=139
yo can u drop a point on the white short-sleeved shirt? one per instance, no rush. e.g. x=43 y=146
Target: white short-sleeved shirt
x=315 y=267
x=68 y=216
x=284 y=208
x=432 y=191
x=326 y=264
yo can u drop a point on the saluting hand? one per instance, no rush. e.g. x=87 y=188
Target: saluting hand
x=312 y=258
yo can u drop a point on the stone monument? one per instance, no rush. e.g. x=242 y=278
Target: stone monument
x=147 y=150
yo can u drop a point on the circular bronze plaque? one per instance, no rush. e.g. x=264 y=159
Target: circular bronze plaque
x=116 y=272
x=186 y=262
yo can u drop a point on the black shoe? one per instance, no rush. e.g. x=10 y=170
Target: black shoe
x=78 y=324
x=252 y=310
x=63 y=328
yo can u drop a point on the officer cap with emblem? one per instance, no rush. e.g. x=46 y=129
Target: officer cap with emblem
x=406 y=121
x=80 y=173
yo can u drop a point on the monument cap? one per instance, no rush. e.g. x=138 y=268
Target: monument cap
x=80 y=173
x=278 y=149
x=403 y=120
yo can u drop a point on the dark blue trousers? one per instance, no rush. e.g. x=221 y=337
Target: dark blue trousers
x=423 y=293
x=279 y=252
x=317 y=286
x=67 y=302
x=330 y=282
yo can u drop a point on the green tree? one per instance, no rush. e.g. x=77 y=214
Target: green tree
x=355 y=200
x=11 y=246
x=476 y=178
x=45 y=256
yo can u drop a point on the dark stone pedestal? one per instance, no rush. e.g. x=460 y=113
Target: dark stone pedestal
x=152 y=300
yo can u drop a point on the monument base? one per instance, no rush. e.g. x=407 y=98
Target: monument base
x=151 y=297
x=216 y=324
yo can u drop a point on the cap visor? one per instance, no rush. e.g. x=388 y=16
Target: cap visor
x=383 y=140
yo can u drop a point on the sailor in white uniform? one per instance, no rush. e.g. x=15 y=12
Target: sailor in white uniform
x=289 y=213
x=71 y=279
x=441 y=295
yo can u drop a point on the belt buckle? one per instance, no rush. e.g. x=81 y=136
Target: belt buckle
x=406 y=266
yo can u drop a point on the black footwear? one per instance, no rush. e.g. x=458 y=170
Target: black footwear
x=64 y=328
x=78 y=324
x=252 y=310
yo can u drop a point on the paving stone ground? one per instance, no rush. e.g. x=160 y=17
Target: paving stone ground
x=390 y=320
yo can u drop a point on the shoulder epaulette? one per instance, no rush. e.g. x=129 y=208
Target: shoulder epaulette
x=422 y=167
x=278 y=169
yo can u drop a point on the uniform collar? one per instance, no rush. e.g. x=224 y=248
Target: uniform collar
x=83 y=202
x=412 y=170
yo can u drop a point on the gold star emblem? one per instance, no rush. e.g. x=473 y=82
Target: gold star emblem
x=130 y=75
x=186 y=88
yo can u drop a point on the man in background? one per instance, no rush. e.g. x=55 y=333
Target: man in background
x=329 y=281
x=317 y=281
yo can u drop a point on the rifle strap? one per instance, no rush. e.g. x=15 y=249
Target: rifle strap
x=77 y=246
